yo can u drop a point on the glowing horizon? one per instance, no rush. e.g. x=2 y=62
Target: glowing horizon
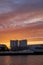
x=28 y=43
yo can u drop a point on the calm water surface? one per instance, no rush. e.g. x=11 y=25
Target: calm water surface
x=22 y=60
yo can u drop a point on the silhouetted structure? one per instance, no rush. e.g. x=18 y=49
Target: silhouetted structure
x=3 y=47
x=23 y=44
x=14 y=44
x=36 y=47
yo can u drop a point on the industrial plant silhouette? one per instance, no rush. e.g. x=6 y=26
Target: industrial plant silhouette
x=18 y=44
x=21 y=45
x=14 y=45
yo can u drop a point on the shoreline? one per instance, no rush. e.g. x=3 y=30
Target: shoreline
x=20 y=53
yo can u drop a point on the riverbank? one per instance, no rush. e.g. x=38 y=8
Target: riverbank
x=20 y=53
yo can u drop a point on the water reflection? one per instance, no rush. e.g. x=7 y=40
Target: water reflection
x=21 y=60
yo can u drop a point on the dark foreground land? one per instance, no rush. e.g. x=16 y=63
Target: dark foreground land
x=28 y=50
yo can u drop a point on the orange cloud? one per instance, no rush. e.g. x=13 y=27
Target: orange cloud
x=22 y=20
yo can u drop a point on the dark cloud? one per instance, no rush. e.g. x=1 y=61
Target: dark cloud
x=20 y=5
x=28 y=12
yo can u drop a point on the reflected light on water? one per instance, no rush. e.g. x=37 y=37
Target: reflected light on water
x=22 y=60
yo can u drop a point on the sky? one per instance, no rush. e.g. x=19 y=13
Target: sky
x=21 y=19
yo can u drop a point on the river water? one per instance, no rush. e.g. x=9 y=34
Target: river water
x=22 y=60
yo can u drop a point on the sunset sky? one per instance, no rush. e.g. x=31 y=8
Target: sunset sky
x=21 y=19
